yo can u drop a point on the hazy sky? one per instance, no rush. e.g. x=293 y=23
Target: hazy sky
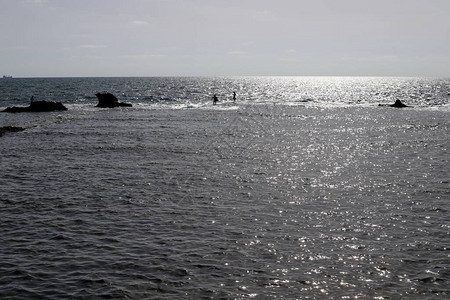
x=224 y=37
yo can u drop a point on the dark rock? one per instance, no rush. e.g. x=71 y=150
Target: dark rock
x=37 y=106
x=108 y=100
x=397 y=103
x=6 y=129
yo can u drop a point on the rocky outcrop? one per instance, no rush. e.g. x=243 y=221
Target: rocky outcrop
x=6 y=129
x=108 y=100
x=37 y=106
x=397 y=103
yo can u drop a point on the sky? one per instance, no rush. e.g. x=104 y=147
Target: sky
x=88 y=38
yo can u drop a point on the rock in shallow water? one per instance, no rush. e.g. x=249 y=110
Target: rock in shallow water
x=397 y=103
x=6 y=129
x=37 y=106
x=108 y=100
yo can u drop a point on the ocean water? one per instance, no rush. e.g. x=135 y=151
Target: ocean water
x=303 y=189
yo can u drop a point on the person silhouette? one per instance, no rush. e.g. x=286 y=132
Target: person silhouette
x=234 y=96
x=32 y=99
x=215 y=100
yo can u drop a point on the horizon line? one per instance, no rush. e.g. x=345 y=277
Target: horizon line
x=216 y=76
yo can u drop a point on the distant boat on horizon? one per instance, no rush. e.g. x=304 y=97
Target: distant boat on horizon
x=7 y=76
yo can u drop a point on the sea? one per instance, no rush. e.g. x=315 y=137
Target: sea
x=301 y=188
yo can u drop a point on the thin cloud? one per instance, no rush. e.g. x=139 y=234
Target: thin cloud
x=237 y=52
x=35 y=1
x=373 y=58
x=263 y=13
x=139 y=22
x=142 y=56
x=290 y=60
x=89 y=46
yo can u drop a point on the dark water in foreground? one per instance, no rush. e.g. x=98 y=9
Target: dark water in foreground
x=297 y=191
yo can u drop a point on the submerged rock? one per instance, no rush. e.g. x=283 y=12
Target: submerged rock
x=6 y=129
x=397 y=103
x=108 y=100
x=37 y=106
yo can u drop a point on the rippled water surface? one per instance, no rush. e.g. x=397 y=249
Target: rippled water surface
x=302 y=189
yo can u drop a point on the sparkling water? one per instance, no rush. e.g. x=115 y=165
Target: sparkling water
x=304 y=188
